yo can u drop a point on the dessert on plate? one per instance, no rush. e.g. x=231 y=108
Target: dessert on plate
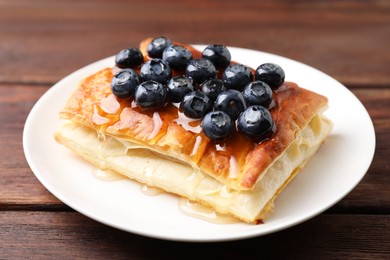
x=196 y=124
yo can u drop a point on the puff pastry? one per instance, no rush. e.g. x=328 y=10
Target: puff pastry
x=165 y=150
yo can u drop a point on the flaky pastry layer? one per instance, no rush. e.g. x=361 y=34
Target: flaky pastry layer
x=142 y=164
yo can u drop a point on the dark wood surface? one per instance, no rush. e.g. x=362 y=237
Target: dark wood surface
x=43 y=41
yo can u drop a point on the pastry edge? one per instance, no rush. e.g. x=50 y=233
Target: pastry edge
x=261 y=214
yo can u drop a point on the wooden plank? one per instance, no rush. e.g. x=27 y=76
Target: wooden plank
x=374 y=186
x=43 y=41
x=19 y=188
x=69 y=235
x=17 y=183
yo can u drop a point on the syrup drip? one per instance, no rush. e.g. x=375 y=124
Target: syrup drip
x=151 y=191
x=233 y=167
x=110 y=104
x=197 y=210
x=148 y=171
x=220 y=148
x=176 y=104
x=192 y=181
x=157 y=124
x=104 y=173
x=189 y=124
x=115 y=70
x=107 y=175
x=101 y=136
x=98 y=119
x=100 y=151
x=198 y=140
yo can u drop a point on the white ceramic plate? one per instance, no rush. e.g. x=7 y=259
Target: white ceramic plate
x=334 y=171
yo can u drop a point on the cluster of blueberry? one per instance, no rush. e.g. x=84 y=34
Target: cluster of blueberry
x=239 y=98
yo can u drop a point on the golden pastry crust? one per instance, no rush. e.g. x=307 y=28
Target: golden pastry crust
x=239 y=163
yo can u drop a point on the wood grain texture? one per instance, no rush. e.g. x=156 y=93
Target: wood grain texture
x=42 y=41
x=67 y=235
x=49 y=39
x=18 y=185
x=375 y=185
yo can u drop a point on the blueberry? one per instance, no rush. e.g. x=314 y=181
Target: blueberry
x=157 y=46
x=237 y=76
x=270 y=73
x=124 y=83
x=256 y=122
x=177 y=57
x=258 y=93
x=196 y=104
x=213 y=87
x=232 y=102
x=217 y=125
x=150 y=94
x=178 y=87
x=219 y=55
x=200 y=70
x=129 y=58
x=157 y=70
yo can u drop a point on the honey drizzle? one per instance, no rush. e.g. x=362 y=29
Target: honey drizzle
x=195 y=149
x=110 y=104
x=107 y=175
x=98 y=119
x=233 y=167
x=200 y=211
x=150 y=190
x=189 y=124
x=157 y=124
x=104 y=173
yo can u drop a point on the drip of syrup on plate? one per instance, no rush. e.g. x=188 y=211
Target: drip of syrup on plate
x=107 y=175
x=151 y=191
x=197 y=210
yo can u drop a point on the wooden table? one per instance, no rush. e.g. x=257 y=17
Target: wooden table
x=42 y=41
